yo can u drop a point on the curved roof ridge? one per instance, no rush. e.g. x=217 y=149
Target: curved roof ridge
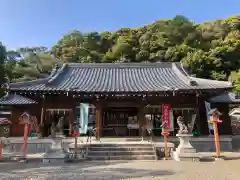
x=57 y=73
x=121 y=65
x=181 y=73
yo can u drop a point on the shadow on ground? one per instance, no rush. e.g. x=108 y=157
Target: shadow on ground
x=87 y=170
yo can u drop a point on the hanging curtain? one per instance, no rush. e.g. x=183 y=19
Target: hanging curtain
x=208 y=110
x=83 y=121
x=171 y=121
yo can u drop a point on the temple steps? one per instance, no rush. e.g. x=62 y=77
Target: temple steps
x=103 y=151
x=114 y=158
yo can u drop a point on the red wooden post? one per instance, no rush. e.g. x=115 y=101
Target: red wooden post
x=25 y=119
x=216 y=136
x=25 y=139
x=76 y=134
x=165 y=137
x=165 y=126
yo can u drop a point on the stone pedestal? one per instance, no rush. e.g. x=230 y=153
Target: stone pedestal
x=185 y=151
x=56 y=151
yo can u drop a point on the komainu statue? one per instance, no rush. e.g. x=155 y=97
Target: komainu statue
x=183 y=129
x=53 y=130
x=59 y=126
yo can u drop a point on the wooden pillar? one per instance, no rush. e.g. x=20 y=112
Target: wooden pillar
x=202 y=118
x=43 y=113
x=198 y=111
x=70 y=121
x=142 y=122
x=98 y=120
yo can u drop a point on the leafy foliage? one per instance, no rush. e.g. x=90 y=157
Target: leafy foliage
x=208 y=50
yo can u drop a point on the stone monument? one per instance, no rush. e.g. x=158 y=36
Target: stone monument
x=185 y=151
x=56 y=152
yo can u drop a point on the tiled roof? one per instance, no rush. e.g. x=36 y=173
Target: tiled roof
x=120 y=77
x=14 y=99
x=228 y=97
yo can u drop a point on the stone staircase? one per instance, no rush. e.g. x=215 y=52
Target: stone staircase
x=107 y=151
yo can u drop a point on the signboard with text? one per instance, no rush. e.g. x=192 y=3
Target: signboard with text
x=166 y=115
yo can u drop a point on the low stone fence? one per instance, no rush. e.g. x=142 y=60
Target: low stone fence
x=206 y=144
x=35 y=145
x=201 y=144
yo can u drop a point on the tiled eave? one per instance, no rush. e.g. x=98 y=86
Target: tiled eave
x=15 y=99
x=129 y=78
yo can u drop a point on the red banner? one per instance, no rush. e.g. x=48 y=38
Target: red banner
x=166 y=115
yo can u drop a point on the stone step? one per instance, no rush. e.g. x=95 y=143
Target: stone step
x=121 y=148
x=120 y=153
x=129 y=157
x=120 y=145
x=150 y=149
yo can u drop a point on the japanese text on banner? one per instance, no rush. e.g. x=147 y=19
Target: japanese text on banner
x=166 y=115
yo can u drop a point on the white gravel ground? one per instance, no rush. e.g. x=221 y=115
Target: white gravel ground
x=142 y=170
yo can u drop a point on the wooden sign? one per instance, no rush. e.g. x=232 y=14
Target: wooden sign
x=25 y=118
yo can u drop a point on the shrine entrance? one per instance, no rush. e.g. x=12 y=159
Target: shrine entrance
x=53 y=116
x=116 y=121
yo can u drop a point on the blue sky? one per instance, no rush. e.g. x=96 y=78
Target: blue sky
x=43 y=22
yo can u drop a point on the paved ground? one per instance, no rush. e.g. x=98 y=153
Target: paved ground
x=143 y=170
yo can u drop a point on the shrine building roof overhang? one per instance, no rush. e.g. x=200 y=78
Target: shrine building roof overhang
x=14 y=99
x=227 y=97
x=120 y=78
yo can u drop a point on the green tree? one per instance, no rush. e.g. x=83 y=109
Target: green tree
x=209 y=50
x=2 y=71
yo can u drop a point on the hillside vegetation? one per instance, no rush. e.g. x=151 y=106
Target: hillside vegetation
x=209 y=50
